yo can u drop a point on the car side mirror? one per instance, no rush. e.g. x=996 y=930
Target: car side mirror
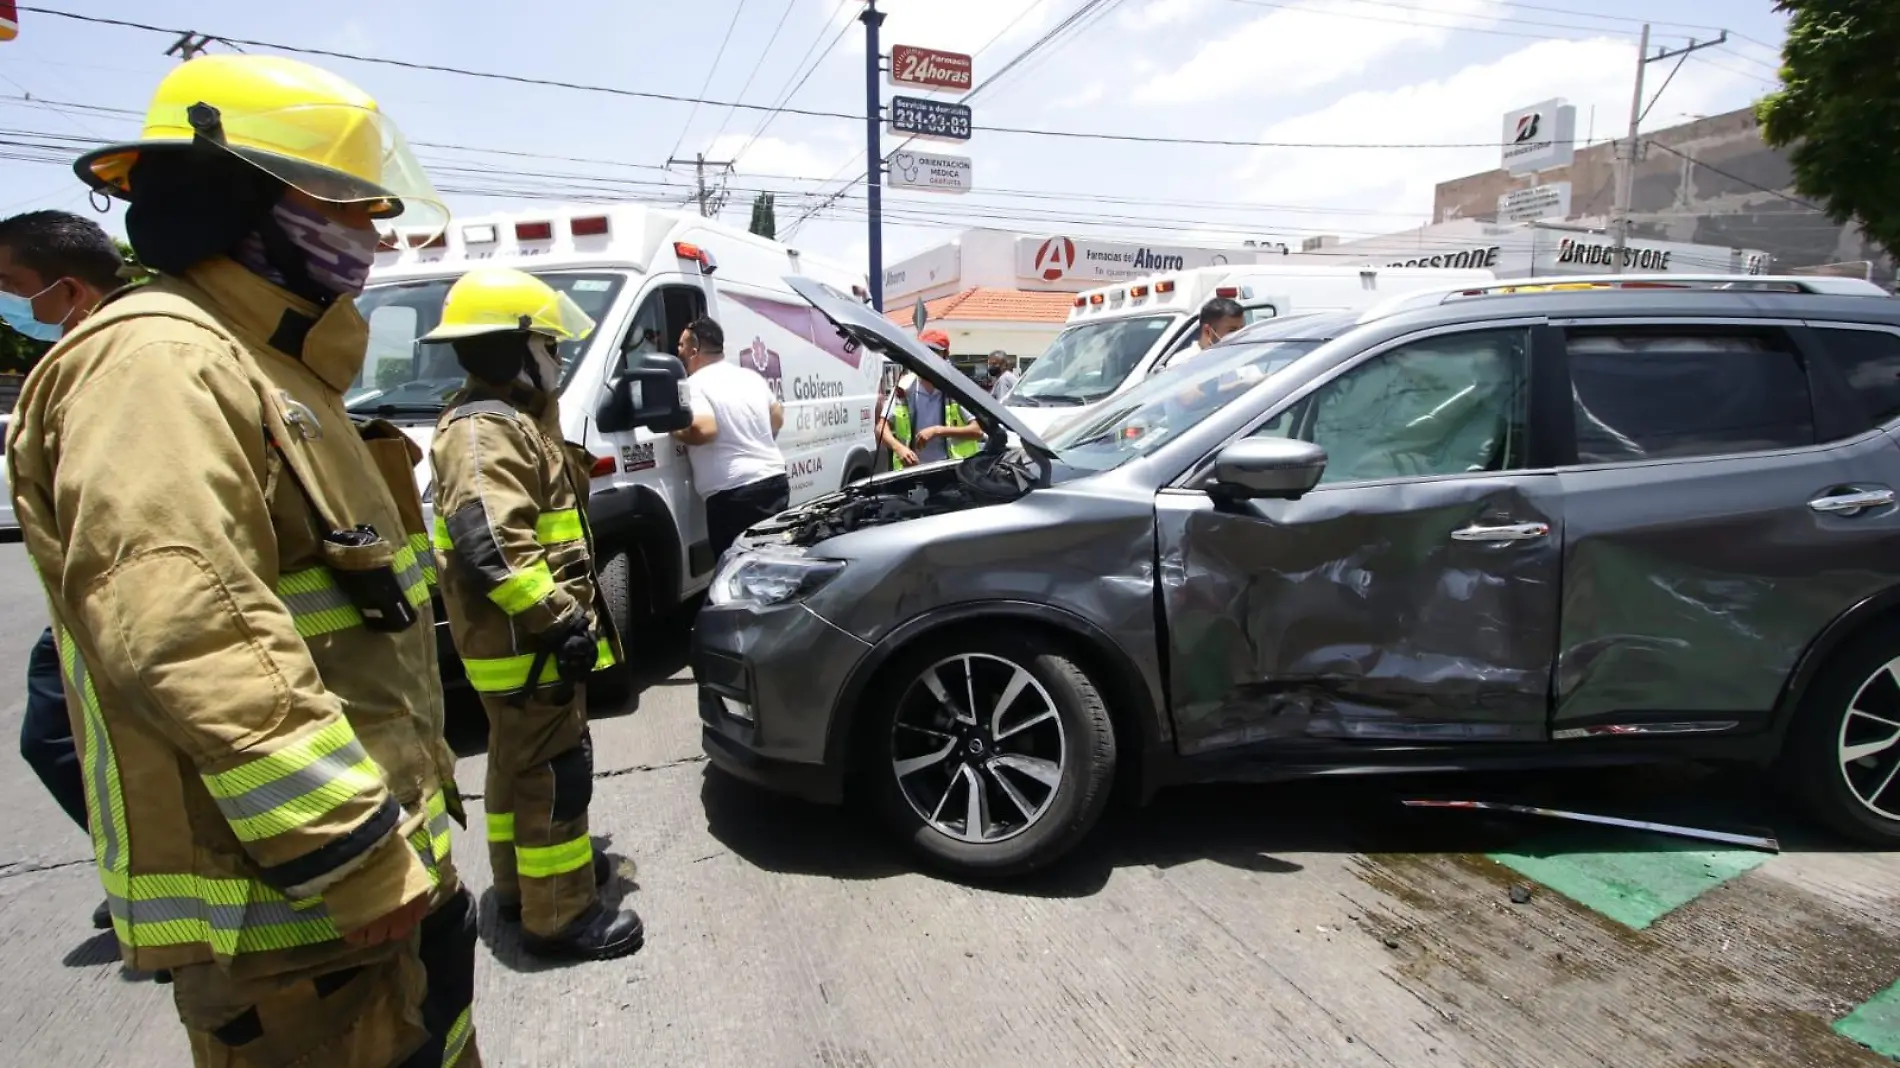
x=1255 y=468
x=650 y=395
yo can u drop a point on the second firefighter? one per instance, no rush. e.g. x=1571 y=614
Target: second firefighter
x=524 y=610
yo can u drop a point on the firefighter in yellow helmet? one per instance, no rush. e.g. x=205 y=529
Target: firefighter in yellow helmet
x=239 y=580
x=518 y=582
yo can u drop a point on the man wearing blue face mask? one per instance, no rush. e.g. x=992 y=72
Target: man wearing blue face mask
x=55 y=267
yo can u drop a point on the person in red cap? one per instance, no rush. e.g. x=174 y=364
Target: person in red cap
x=922 y=424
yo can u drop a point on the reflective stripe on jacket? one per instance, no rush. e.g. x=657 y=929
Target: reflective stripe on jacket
x=262 y=770
x=958 y=448
x=511 y=531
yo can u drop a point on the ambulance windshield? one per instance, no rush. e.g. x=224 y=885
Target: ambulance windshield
x=1089 y=361
x=401 y=378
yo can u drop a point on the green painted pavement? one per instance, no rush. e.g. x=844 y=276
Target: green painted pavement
x=1876 y=1024
x=1642 y=880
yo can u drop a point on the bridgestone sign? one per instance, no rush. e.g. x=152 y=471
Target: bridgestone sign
x=1486 y=256
x=1641 y=259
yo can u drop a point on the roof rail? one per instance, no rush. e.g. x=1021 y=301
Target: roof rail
x=1725 y=283
x=1753 y=283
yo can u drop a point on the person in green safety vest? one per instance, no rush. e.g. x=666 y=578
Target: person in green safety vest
x=923 y=425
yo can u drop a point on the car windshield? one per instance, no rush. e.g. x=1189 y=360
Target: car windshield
x=403 y=377
x=1088 y=362
x=1163 y=407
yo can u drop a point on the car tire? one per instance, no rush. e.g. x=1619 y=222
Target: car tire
x=1035 y=822
x=1859 y=681
x=623 y=589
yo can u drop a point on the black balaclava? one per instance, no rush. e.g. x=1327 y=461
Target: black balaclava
x=511 y=358
x=193 y=204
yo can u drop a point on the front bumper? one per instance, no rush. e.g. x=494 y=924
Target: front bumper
x=785 y=667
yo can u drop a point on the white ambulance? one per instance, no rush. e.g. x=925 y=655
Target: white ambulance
x=642 y=274
x=1119 y=334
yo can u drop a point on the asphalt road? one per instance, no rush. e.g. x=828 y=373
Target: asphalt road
x=1307 y=925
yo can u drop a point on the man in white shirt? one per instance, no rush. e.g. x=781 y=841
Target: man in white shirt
x=733 y=442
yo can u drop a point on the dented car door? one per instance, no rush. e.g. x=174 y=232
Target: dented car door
x=1411 y=597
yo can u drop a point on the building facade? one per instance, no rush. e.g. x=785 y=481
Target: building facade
x=1711 y=182
x=997 y=289
x=1531 y=250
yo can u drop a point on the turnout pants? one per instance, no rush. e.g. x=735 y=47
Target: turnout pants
x=540 y=781
x=405 y=1006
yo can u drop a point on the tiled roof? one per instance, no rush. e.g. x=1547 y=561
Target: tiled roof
x=986 y=304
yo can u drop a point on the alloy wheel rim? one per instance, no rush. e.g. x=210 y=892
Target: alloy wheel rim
x=977 y=748
x=1868 y=744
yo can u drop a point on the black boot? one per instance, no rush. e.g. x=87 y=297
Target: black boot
x=597 y=935
x=102 y=916
x=603 y=874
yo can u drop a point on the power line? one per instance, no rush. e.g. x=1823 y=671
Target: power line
x=770 y=40
x=476 y=169
x=873 y=167
x=788 y=90
x=1758 y=187
x=1084 y=135
x=1459 y=27
x=738 y=10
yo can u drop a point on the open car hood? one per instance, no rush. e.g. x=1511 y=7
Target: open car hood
x=862 y=324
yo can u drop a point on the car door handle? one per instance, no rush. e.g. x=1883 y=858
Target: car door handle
x=1849 y=503
x=1508 y=532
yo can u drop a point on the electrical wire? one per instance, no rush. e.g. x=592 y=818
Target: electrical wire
x=737 y=11
x=873 y=168
x=789 y=90
x=770 y=40
x=1758 y=187
x=1085 y=135
x=1459 y=27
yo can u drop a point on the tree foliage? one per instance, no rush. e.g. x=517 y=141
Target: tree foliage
x=1838 y=110
x=764 y=221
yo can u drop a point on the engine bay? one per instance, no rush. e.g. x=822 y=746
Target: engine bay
x=978 y=481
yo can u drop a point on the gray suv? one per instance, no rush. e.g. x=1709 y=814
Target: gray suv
x=1514 y=526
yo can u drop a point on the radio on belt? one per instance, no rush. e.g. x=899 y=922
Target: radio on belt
x=364 y=566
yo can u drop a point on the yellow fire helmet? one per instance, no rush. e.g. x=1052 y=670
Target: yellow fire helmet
x=490 y=300
x=300 y=124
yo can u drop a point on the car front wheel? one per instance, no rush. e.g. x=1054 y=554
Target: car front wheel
x=1843 y=760
x=996 y=755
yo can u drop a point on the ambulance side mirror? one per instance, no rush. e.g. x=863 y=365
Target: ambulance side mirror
x=651 y=395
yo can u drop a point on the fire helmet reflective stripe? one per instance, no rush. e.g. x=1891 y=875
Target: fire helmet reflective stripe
x=491 y=300
x=303 y=125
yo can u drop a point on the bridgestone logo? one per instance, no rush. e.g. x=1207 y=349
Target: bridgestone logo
x=1645 y=259
x=1471 y=257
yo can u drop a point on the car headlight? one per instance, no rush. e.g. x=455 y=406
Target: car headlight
x=750 y=578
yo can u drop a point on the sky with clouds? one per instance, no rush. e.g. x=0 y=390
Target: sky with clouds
x=1320 y=73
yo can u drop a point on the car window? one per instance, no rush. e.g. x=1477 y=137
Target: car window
x=1169 y=404
x=1656 y=394
x=1440 y=406
x=1870 y=361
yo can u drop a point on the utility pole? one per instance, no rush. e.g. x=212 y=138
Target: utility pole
x=709 y=202
x=1627 y=154
x=873 y=151
x=189 y=46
